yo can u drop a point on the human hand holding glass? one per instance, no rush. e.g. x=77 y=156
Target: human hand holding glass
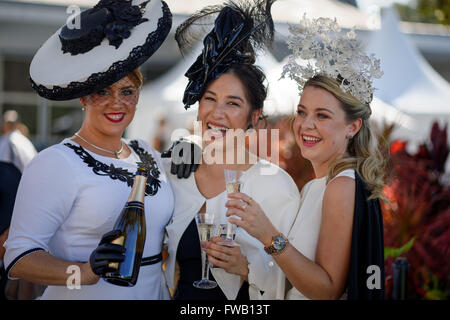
x=206 y=226
x=233 y=184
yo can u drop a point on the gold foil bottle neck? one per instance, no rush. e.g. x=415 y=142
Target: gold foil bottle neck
x=138 y=191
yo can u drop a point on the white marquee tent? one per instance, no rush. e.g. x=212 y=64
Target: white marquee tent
x=409 y=83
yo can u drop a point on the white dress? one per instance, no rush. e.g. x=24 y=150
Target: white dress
x=276 y=193
x=304 y=233
x=65 y=204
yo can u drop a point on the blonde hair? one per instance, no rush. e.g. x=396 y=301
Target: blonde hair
x=364 y=155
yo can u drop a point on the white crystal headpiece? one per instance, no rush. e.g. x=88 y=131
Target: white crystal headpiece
x=325 y=51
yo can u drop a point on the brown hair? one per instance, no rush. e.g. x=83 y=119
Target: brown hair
x=364 y=155
x=253 y=78
x=136 y=77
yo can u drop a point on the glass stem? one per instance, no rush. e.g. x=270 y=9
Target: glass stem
x=205 y=266
x=230 y=231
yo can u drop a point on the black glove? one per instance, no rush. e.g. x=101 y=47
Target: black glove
x=106 y=253
x=186 y=157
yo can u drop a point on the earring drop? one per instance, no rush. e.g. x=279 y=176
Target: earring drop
x=83 y=109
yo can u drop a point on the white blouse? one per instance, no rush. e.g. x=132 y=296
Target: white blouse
x=64 y=205
x=278 y=196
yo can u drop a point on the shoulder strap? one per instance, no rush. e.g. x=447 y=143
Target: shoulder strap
x=345 y=173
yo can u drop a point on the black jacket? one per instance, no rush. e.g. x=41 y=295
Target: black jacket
x=9 y=182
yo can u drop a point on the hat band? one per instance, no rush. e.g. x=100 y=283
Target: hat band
x=111 y=19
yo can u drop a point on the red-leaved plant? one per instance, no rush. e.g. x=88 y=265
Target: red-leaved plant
x=420 y=209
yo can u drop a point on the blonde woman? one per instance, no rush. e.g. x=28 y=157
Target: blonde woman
x=334 y=248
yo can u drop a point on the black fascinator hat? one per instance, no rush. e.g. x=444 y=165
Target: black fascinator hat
x=240 y=30
x=113 y=38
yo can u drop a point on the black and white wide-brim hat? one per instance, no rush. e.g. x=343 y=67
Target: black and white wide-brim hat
x=112 y=39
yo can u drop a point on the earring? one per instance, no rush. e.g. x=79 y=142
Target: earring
x=83 y=109
x=350 y=137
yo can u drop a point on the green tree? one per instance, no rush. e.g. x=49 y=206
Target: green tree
x=427 y=11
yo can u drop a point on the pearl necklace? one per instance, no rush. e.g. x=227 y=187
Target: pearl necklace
x=116 y=153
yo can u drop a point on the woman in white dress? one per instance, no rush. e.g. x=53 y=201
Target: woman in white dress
x=71 y=194
x=230 y=99
x=337 y=236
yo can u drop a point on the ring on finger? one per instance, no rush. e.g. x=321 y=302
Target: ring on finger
x=244 y=206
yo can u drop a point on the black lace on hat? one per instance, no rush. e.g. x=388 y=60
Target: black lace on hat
x=115 y=21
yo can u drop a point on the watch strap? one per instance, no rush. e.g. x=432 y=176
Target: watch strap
x=272 y=250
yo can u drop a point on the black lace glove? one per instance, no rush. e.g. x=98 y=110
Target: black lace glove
x=106 y=253
x=185 y=155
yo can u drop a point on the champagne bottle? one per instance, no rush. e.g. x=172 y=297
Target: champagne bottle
x=131 y=223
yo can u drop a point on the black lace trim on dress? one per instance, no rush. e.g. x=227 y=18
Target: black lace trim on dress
x=117 y=71
x=123 y=175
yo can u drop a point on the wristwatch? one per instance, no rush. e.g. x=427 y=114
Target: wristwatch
x=278 y=245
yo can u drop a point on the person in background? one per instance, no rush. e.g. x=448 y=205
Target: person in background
x=16 y=151
x=162 y=138
x=15 y=147
x=8 y=189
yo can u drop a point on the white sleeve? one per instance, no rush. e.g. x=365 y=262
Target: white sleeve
x=45 y=196
x=281 y=204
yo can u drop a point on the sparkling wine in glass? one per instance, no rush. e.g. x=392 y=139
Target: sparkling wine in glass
x=233 y=184
x=207 y=228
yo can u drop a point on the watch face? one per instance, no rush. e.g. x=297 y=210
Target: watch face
x=278 y=242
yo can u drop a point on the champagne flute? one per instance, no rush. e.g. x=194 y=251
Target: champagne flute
x=206 y=225
x=233 y=183
x=220 y=233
